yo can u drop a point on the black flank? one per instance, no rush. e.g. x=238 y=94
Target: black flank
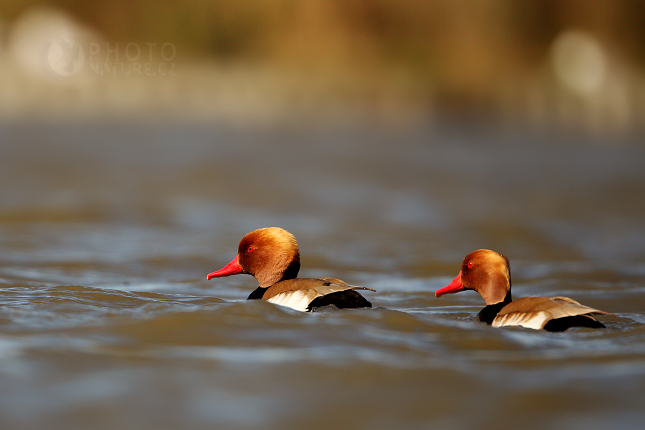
x=341 y=299
x=561 y=324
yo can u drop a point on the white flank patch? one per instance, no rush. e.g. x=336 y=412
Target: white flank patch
x=534 y=320
x=298 y=300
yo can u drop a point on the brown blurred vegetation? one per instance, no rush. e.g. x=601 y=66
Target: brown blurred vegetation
x=464 y=57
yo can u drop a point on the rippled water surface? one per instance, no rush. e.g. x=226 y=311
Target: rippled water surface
x=107 y=321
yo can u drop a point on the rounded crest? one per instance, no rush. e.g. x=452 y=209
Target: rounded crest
x=270 y=255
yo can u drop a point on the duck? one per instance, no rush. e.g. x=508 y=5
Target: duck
x=271 y=255
x=489 y=273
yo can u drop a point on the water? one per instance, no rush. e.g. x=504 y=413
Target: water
x=107 y=232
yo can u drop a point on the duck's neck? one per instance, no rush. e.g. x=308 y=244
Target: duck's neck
x=489 y=313
x=290 y=272
x=268 y=278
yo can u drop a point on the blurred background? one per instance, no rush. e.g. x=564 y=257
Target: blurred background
x=140 y=140
x=564 y=65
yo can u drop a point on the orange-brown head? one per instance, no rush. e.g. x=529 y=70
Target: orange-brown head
x=485 y=271
x=268 y=254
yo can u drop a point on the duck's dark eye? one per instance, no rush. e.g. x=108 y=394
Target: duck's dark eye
x=470 y=264
x=250 y=249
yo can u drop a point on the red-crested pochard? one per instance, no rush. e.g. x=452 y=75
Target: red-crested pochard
x=272 y=257
x=489 y=273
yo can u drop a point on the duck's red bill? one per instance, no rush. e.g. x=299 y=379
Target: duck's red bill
x=232 y=268
x=454 y=287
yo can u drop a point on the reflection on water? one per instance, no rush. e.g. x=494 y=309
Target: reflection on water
x=107 y=321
